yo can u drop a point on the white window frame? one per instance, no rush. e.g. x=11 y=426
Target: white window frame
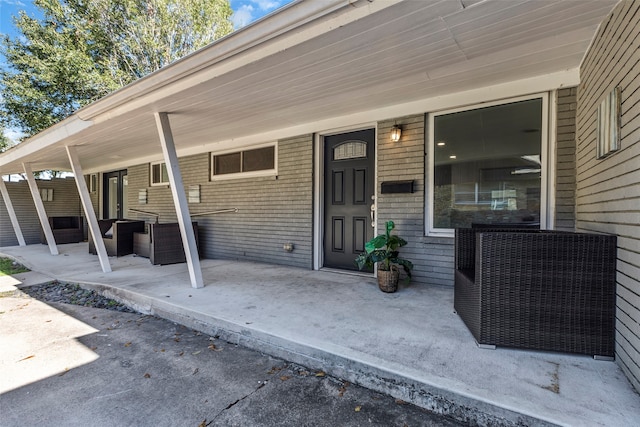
x=241 y=175
x=547 y=175
x=161 y=183
x=92 y=183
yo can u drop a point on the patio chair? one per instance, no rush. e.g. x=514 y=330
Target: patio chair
x=117 y=236
x=66 y=229
x=540 y=290
x=162 y=244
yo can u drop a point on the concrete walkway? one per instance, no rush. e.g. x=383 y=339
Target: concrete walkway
x=410 y=344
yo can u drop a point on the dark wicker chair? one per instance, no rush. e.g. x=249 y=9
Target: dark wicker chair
x=120 y=243
x=542 y=290
x=66 y=229
x=162 y=244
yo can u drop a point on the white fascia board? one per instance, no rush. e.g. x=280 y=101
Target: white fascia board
x=299 y=22
x=48 y=138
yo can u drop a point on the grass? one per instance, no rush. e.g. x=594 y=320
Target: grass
x=9 y=267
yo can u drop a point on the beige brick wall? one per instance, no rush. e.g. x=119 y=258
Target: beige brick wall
x=608 y=190
x=565 y=217
x=405 y=160
x=272 y=210
x=66 y=202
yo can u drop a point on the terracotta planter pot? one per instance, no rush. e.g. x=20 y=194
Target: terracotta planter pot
x=388 y=280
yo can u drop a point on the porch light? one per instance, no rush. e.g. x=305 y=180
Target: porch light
x=396 y=132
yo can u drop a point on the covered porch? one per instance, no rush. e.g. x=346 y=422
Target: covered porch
x=410 y=344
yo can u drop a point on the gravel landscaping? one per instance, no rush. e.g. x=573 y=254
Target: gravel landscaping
x=70 y=293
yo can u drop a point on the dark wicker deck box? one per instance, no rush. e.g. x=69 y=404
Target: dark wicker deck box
x=120 y=240
x=542 y=290
x=162 y=244
x=66 y=229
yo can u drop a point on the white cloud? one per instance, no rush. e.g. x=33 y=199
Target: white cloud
x=267 y=4
x=17 y=3
x=14 y=135
x=247 y=11
x=243 y=16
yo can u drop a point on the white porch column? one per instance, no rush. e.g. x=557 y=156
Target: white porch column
x=12 y=213
x=42 y=213
x=89 y=213
x=179 y=199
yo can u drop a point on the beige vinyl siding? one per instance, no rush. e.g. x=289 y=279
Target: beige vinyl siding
x=608 y=190
x=66 y=202
x=272 y=210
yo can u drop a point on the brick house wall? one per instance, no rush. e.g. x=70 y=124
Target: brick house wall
x=272 y=210
x=608 y=189
x=66 y=202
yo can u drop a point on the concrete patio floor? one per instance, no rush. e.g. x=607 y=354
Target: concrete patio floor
x=410 y=344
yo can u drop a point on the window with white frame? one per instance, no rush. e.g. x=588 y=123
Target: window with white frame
x=159 y=174
x=256 y=161
x=486 y=165
x=92 y=182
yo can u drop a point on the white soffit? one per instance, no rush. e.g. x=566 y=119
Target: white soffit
x=319 y=61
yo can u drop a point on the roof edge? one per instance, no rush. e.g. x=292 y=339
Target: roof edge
x=50 y=136
x=281 y=21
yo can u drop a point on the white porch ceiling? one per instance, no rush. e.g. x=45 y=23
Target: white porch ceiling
x=318 y=60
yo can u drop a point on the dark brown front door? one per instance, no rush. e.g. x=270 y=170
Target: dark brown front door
x=348 y=196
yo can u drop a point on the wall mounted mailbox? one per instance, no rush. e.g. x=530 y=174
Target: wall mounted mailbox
x=391 y=187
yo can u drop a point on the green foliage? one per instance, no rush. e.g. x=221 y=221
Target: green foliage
x=9 y=267
x=383 y=249
x=84 y=49
x=4 y=141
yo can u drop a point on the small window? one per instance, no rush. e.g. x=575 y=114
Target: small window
x=255 y=162
x=227 y=163
x=350 y=150
x=92 y=182
x=159 y=175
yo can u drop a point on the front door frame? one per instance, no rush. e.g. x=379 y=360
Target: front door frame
x=318 y=190
x=120 y=196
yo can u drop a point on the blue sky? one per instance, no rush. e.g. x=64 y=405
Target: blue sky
x=245 y=11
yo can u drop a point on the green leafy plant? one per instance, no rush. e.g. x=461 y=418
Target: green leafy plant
x=9 y=267
x=383 y=249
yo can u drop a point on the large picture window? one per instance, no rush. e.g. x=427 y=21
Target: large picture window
x=486 y=165
x=252 y=162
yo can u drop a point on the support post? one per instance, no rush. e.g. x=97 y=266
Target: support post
x=42 y=213
x=179 y=199
x=12 y=213
x=89 y=213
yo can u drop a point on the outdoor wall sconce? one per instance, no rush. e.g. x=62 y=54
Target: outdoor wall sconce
x=396 y=133
x=288 y=247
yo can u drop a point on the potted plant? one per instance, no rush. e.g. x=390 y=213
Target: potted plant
x=383 y=249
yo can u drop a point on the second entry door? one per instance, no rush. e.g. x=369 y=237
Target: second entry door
x=348 y=196
x=115 y=195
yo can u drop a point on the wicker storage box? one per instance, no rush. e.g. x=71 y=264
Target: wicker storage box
x=541 y=290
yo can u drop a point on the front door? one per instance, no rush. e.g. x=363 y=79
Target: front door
x=115 y=194
x=348 y=196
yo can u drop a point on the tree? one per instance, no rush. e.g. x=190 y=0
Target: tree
x=82 y=50
x=4 y=141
